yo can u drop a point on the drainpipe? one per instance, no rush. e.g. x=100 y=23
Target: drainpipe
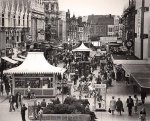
x=142 y=27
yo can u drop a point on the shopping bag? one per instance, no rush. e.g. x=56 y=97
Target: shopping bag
x=109 y=110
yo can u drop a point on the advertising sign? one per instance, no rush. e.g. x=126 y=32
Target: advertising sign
x=100 y=96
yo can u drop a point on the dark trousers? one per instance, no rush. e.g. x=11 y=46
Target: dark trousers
x=23 y=117
x=130 y=111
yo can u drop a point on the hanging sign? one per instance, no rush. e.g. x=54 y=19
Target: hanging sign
x=100 y=96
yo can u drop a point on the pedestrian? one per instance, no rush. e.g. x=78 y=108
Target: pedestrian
x=135 y=99
x=142 y=114
x=2 y=89
x=17 y=99
x=43 y=103
x=40 y=114
x=130 y=104
x=29 y=92
x=119 y=106
x=143 y=96
x=113 y=105
x=23 y=110
x=11 y=101
x=20 y=99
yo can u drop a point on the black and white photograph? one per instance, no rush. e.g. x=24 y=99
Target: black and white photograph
x=74 y=60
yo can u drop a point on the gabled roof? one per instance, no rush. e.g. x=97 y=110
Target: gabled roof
x=35 y=63
x=81 y=48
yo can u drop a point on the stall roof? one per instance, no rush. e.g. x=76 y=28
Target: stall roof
x=9 y=60
x=35 y=63
x=140 y=73
x=82 y=48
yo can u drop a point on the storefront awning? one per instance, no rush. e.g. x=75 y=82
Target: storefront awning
x=18 y=59
x=21 y=56
x=9 y=60
x=140 y=73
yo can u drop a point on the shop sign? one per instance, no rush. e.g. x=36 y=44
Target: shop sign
x=33 y=75
x=100 y=96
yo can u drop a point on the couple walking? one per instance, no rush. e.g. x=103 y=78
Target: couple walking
x=116 y=105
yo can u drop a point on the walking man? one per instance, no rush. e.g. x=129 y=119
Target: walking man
x=11 y=101
x=23 y=111
x=130 y=104
x=112 y=105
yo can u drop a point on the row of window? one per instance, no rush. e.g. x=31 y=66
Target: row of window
x=13 y=20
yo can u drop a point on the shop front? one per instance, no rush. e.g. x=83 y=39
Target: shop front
x=37 y=74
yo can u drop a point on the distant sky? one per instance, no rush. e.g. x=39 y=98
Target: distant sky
x=96 y=7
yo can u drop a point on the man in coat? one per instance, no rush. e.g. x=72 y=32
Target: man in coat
x=112 y=105
x=130 y=104
x=23 y=111
x=12 y=100
x=119 y=106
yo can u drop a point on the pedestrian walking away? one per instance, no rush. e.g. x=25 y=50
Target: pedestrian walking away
x=23 y=112
x=112 y=105
x=119 y=106
x=130 y=104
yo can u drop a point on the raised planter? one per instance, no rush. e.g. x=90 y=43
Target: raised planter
x=66 y=117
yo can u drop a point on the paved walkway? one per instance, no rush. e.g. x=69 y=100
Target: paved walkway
x=119 y=90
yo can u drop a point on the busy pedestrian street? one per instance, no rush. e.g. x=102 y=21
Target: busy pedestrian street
x=118 y=90
x=74 y=60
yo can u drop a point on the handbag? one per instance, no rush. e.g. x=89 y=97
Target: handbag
x=109 y=110
x=122 y=109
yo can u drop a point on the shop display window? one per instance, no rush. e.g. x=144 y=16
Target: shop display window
x=47 y=83
x=19 y=83
x=33 y=82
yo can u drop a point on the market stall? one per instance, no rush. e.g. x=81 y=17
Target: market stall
x=35 y=72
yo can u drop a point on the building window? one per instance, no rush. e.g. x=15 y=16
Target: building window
x=23 y=20
x=7 y=38
x=19 y=21
x=17 y=38
x=28 y=21
x=3 y=20
x=14 y=20
x=110 y=29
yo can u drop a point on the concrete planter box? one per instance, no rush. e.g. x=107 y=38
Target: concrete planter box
x=66 y=117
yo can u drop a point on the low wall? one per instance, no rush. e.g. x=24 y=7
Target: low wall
x=66 y=117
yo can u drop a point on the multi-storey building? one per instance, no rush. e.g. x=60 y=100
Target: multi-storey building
x=62 y=26
x=128 y=21
x=100 y=25
x=72 y=28
x=142 y=29
x=20 y=21
x=37 y=24
x=14 y=24
x=52 y=18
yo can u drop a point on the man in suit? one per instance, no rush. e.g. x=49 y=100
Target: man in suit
x=130 y=104
x=12 y=100
x=23 y=111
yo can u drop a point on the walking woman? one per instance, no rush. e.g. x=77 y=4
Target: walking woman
x=112 y=105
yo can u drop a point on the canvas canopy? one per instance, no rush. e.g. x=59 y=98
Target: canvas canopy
x=82 y=48
x=35 y=63
x=9 y=60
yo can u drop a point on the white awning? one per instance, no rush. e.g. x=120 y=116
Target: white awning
x=21 y=56
x=9 y=60
x=18 y=59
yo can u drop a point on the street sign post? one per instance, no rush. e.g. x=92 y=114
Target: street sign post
x=100 y=97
